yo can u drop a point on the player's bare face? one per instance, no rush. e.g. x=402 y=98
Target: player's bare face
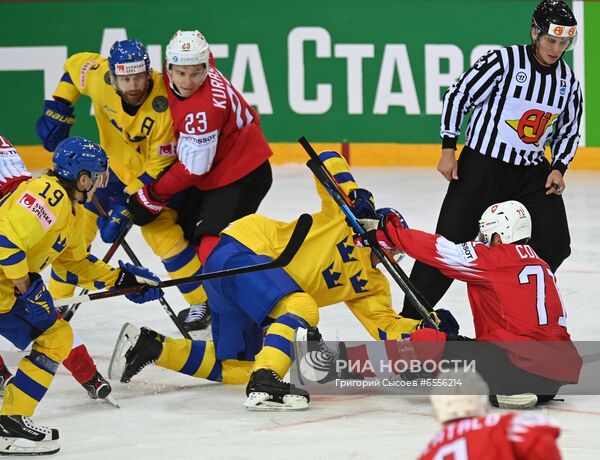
x=133 y=88
x=188 y=78
x=89 y=185
x=549 y=49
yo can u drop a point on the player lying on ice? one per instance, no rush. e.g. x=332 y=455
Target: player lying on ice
x=79 y=362
x=520 y=322
x=39 y=226
x=470 y=431
x=328 y=269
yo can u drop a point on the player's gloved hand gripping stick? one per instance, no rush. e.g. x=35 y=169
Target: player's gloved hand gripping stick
x=120 y=241
x=320 y=171
x=298 y=235
x=70 y=310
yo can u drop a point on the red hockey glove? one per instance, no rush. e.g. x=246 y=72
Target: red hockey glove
x=379 y=230
x=145 y=206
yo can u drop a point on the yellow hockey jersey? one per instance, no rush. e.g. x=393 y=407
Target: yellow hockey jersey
x=39 y=226
x=140 y=146
x=328 y=265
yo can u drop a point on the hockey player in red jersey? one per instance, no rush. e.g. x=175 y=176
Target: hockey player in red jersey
x=221 y=149
x=517 y=310
x=470 y=432
x=12 y=168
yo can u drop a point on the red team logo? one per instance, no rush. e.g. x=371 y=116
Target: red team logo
x=167 y=150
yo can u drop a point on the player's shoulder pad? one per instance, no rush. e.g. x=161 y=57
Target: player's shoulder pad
x=84 y=67
x=521 y=424
x=487 y=60
x=45 y=200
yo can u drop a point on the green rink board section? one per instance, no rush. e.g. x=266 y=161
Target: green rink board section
x=592 y=72
x=383 y=26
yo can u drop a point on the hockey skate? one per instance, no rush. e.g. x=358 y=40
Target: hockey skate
x=134 y=350
x=195 y=318
x=266 y=391
x=98 y=388
x=5 y=378
x=514 y=402
x=316 y=362
x=19 y=435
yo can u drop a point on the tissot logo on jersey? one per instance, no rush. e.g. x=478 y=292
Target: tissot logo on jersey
x=532 y=125
x=8 y=152
x=467 y=251
x=38 y=208
x=202 y=140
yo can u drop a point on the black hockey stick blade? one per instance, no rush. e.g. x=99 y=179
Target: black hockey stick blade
x=295 y=242
x=298 y=236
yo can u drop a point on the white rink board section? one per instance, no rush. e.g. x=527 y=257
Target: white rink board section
x=166 y=415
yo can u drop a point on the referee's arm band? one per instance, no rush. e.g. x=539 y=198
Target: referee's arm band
x=449 y=142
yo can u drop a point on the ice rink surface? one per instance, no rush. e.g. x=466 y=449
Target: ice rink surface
x=168 y=415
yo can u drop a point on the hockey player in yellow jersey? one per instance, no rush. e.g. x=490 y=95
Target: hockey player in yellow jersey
x=327 y=269
x=39 y=225
x=79 y=362
x=136 y=130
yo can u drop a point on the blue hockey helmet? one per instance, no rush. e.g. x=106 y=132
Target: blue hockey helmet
x=75 y=155
x=128 y=57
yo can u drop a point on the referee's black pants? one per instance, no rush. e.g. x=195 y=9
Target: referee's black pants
x=483 y=181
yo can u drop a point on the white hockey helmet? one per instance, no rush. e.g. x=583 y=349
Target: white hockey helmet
x=509 y=219
x=188 y=47
x=469 y=399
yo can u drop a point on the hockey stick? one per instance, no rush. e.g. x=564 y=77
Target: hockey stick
x=298 y=235
x=70 y=310
x=322 y=174
x=137 y=262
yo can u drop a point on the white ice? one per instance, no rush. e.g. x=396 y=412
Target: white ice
x=168 y=415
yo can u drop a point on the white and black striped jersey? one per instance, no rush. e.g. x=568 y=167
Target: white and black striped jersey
x=518 y=107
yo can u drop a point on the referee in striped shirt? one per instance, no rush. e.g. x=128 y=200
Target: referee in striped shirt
x=521 y=97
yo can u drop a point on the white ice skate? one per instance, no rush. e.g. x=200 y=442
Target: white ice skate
x=516 y=402
x=19 y=435
x=266 y=391
x=127 y=339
